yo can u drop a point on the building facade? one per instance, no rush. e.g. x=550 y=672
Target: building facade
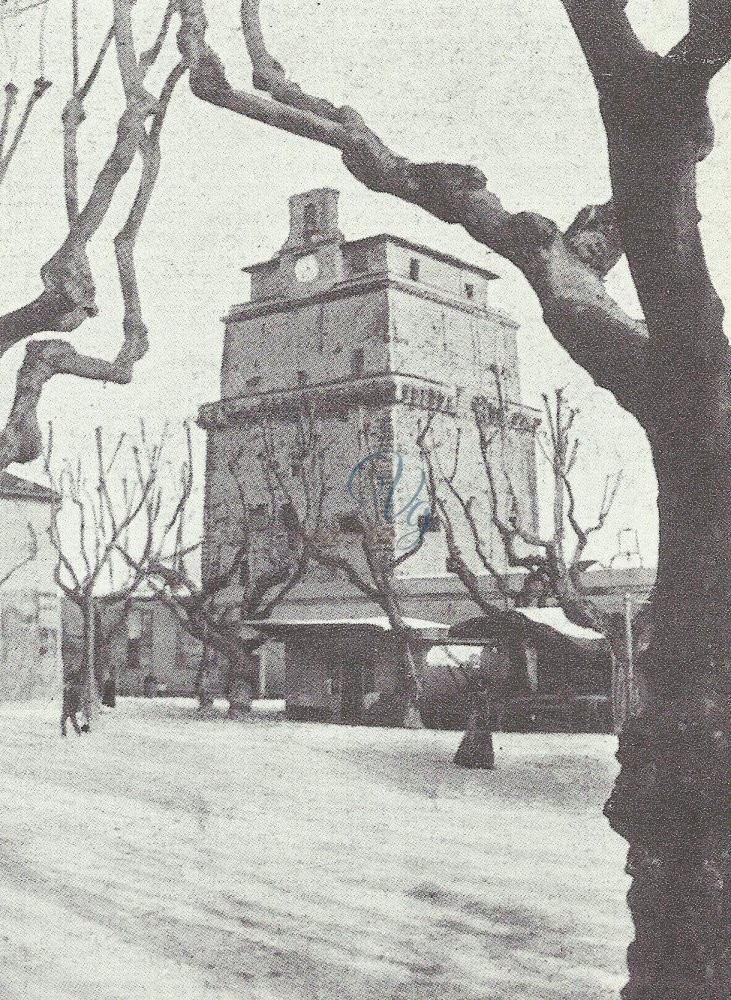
x=30 y=609
x=374 y=338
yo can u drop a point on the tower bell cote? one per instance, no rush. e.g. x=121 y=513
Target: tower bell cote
x=313 y=219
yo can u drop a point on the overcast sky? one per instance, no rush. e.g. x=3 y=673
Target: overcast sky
x=501 y=85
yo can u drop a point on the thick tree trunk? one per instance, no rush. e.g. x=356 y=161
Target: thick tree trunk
x=203 y=680
x=90 y=688
x=241 y=683
x=672 y=800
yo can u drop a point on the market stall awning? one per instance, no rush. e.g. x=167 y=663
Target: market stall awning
x=288 y=628
x=556 y=619
x=549 y=624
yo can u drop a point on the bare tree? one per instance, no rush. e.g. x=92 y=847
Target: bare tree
x=368 y=555
x=670 y=370
x=550 y=563
x=260 y=550
x=68 y=294
x=125 y=502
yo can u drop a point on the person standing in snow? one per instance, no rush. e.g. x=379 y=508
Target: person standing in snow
x=72 y=704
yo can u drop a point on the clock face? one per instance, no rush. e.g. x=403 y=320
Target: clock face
x=307 y=268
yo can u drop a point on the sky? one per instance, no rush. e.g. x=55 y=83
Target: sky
x=501 y=85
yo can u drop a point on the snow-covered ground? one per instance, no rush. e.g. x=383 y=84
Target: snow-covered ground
x=168 y=857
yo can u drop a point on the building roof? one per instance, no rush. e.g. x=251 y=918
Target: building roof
x=15 y=488
x=328 y=625
x=548 y=625
x=444 y=258
x=557 y=619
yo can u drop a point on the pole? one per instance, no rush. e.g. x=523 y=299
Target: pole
x=630 y=650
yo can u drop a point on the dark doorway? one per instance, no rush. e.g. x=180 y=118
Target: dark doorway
x=351 y=696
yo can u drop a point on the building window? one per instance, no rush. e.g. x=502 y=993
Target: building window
x=309 y=220
x=350 y=523
x=428 y=522
x=359 y=261
x=302 y=378
x=469 y=291
x=369 y=676
x=357 y=361
x=253 y=382
x=414 y=269
x=288 y=517
x=258 y=517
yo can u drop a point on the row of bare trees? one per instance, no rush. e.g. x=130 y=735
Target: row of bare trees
x=126 y=530
x=670 y=370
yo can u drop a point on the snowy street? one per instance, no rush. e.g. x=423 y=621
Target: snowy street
x=167 y=857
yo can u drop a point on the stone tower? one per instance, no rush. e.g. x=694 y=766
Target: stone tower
x=372 y=335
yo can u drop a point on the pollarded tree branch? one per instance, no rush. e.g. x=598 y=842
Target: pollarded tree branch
x=21 y=438
x=11 y=97
x=40 y=86
x=68 y=297
x=611 y=48
x=706 y=48
x=580 y=313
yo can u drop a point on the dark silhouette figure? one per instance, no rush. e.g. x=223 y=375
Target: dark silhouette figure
x=109 y=694
x=72 y=705
x=150 y=686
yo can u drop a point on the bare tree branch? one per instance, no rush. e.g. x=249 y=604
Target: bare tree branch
x=577 y=308
x=31 y=556
x=40 y=87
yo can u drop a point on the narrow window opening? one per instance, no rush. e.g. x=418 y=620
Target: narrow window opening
x=350 y=523
x=414 y=269
x=288 y=516
x=469 y=291
x=428 y=522
x=309 y=220
x=357 y=361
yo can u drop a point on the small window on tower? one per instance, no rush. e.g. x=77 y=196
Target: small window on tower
x=309 y=219
x=258 y=516
x=428 y=522
x=469 y=291
x=357 y=361
x=451 y=565
x=350 y=523
x=288 y=515
x=414 y=269
x=359 y=262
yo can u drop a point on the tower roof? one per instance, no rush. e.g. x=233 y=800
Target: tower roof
x=365 y=241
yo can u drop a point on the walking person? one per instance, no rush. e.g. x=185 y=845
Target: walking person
x=72 y=704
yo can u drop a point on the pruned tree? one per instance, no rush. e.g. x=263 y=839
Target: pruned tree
x=258 y=557
x=489 y=541
x=124 y=502
x=67 y=297
x=670 y=371
x=368 y=554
